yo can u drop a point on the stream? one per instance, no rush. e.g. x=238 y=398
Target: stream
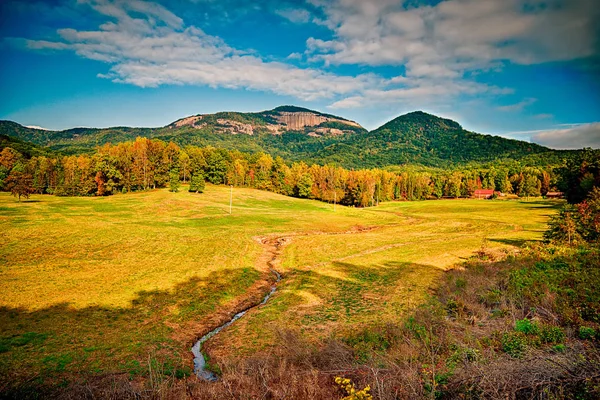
x=199 y=360
x=273 y=248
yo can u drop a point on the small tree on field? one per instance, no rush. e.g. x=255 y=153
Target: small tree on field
x=563 y=226
x=197 y=183
x=305 y=185
x=529 y=186
x=19 y=184
x=174 y=180
x=577 y=223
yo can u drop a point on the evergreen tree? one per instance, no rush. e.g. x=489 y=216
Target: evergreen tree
x=174 y=180
x=197 y=183
x=305 y=185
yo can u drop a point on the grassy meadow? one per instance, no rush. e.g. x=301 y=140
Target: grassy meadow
x=126 y=283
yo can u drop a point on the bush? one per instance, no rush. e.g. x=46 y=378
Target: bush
x=369 y=341
x=587 y=333
x=552 y=334
x=350 y=391
x=527 y=327
x=559 y=348
x=514 y=344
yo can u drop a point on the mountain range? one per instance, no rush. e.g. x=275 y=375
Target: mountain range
x=300 y=134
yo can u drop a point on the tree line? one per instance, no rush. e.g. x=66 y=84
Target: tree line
x=150 y=163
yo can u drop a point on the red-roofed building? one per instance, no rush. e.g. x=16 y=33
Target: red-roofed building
x=483 y=193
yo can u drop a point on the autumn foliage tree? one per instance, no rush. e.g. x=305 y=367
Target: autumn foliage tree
x=577 y=223
x=19 y=184
x=152 y=163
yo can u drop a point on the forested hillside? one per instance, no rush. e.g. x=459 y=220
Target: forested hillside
x=151 y=163
x=298 y=134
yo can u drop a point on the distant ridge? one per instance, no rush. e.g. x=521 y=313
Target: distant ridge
x=300 y=134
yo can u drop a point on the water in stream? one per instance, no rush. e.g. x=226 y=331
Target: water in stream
x=199 y=361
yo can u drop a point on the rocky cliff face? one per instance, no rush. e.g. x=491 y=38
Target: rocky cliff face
x=234 y=126
x=274 y=122
x=186 y=121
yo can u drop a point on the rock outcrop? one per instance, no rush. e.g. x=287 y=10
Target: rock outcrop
x=234 y=126
x=275 y=122
x=296 y=121
x=187 y=121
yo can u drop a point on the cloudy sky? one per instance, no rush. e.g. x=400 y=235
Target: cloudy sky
x=528 y=69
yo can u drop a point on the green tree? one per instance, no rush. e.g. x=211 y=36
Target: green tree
x=305 y=185
x=184 y=165
x=454 y=185
x=174 y=180
x=216 y=165
x=529 y=186
x=438 y=187
x=197 y=183
x=580 y=174
x=504 y=184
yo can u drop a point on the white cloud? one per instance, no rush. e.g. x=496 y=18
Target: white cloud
x=518 y=106
x=419 y=92
x=461 y=35
x=295 y=15
x=147 y=45
x=577 y=137
x=154 y=48
x=443 y=46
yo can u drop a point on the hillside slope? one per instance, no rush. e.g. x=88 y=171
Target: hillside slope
x=299 y=134
x=427 y=138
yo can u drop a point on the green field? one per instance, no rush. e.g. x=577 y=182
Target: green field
x=112 y=284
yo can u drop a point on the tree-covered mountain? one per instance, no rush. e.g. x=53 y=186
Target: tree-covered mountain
x=428 y=139
x=299 y=134
x=27 y=149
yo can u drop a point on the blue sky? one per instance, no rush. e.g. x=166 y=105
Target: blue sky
x=528 y=69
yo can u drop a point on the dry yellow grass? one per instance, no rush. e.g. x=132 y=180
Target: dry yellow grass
x=98 y=284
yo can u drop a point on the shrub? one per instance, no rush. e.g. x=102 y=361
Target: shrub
x=452 y=307
x=514 y=344
x=527 y=327
x=491 y=298
x=587 y=333
x=552 y=334
x=351 y=393
x=460 y=283
x=368 y=341
x=559 y=348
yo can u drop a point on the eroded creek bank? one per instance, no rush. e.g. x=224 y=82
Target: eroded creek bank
x=272 y=249
x=269 y=262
